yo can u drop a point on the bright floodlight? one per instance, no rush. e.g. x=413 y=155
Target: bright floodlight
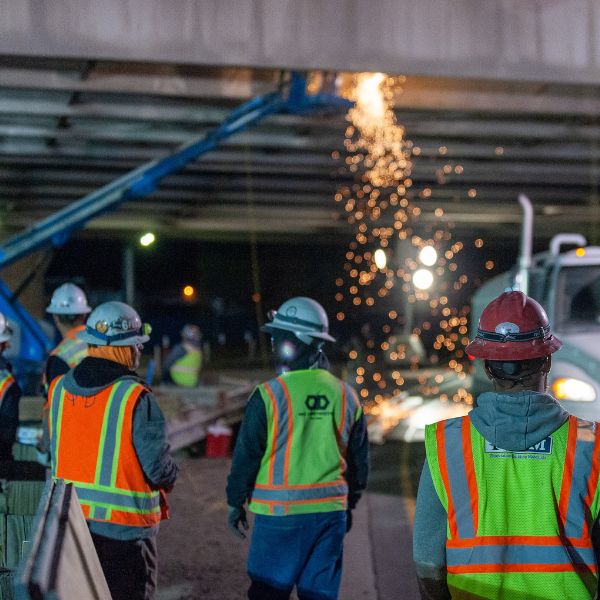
x=422 y=279
x=428 y=256
x=380 y=258
x=147 y=239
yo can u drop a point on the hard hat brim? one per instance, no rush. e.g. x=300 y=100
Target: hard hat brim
x=132 y=341
x=57 y=310
x=320 y=335
x=508 y=351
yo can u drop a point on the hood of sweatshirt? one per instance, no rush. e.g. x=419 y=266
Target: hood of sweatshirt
x=517 y=421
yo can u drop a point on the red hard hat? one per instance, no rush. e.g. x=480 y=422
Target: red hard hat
x=513 y=327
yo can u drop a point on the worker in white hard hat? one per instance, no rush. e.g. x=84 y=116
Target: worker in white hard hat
x=10 y=394
x=108 y=436
x=300 y=463
x=69 y=309
x=184 y=361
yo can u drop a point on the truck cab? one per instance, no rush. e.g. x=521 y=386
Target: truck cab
x=567 y=285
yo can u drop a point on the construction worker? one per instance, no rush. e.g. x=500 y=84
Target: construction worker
x=69 y=309
x=509 y=494
x=10 y=394
x=300 y=461
x=107 y=436
x=183 y=363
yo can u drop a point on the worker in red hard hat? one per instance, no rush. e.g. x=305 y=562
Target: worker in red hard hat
x=509 y=494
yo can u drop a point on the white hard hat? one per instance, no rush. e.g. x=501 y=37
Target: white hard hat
x=191 y=333
x=304 y=317
x=114 y=324
x=5 y=330
x=68 y=299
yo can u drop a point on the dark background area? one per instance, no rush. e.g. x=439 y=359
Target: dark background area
x=221 y=273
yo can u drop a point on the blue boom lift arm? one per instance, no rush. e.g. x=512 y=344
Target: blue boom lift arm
x=56 y=229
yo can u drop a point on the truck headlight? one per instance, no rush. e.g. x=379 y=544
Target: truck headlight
x=568 y=388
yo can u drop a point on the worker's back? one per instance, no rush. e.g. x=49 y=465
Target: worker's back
x=519 y=522
x=310 y=414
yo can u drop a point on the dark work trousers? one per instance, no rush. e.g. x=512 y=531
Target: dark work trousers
x=130 y=567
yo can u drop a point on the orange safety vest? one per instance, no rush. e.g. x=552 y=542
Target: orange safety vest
x=91 y=443
x=71 y=349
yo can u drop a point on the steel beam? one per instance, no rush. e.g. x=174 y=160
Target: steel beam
x=140 y=182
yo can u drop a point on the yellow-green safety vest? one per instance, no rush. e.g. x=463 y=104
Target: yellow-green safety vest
x=185 y=371
x=519 y=523
x=71 y=349
x=310 y=415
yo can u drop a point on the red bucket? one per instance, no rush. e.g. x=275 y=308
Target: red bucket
x=218 y=441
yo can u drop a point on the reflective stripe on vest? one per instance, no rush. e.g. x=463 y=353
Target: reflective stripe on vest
x=101 y=495
x=278 y=493
x=6 y=380
x=71 y=349
x=468 y=551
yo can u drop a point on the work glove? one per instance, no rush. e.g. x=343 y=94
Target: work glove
x=236 y=516
x=348 y=520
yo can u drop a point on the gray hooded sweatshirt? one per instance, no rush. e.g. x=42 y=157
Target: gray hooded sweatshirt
x=511 y=421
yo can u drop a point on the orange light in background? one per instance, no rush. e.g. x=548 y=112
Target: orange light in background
x=189 y=291
x=256 y=297
x=580 y=252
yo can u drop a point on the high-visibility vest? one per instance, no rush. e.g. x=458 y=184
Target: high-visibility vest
x=519 y=523
x=91 y=445
x=310 y=414
x=184 y=372
x=71 y=349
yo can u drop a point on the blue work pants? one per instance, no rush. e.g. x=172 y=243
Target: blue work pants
x=301 y=550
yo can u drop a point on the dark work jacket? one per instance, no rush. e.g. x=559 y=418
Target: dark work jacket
x=252 y=443
x=149 y=435
x=55 y=366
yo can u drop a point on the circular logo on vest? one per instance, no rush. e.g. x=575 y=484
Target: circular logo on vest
x=506 y=328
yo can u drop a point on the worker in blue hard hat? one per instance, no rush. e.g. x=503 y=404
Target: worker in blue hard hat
x=108 y=437
x=69 y=309
x=182 y=365
x=10 y=394
x=300 y=463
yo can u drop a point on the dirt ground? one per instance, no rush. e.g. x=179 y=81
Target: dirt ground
x=199 y=558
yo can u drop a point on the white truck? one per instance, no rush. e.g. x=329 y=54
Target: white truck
x=567 y=285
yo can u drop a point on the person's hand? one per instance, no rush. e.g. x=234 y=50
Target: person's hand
x=348 y=520
x=237 y=516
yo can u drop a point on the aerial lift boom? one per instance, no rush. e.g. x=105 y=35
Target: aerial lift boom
x=56 y=229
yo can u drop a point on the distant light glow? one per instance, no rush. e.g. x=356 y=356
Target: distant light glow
x=188 y=291
x=422 y=279
x=147 y=239
x=428 y=256
x=580 y=252
x=569 y=388
x=380 y=258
